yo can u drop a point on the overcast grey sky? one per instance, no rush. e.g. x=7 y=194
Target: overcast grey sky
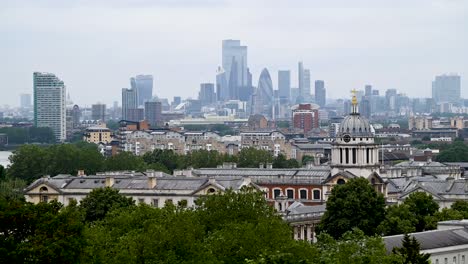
x=95 y=46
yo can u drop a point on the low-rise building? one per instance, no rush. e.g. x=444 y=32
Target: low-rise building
x=153 y=188
x=97 y=135
x=272 y=141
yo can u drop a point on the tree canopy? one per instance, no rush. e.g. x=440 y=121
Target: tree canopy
x=101 y=201
x=455 y=152
x=354 y=204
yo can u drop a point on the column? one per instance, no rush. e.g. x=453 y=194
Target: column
x=309 y=233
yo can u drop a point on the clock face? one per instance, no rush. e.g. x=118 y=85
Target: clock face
x=346 y=138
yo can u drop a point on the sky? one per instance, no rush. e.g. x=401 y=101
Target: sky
x=95 y=46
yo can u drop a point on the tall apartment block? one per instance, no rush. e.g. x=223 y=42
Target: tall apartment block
x=50 y=103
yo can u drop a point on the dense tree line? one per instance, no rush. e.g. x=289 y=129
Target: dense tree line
x=224 y=228
x=30 y=162
x=455 y=152
x=22 y=135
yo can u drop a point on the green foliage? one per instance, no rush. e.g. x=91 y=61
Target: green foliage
x=12 y=189
x=101 y=201
x=423 y=207
x=455 y=152
x=2 y=172
x=409 y=251
x=399 y=219
x=306 y=159
x=448 y=214
x=22 y=135
x=42 y=233
x=283 y=124
x=124 y=161
x=282 y=163
x=353 y=205
x=30 y=162
x=112 y=125
x=354 y=247
x=252 y=157
x=461 y=207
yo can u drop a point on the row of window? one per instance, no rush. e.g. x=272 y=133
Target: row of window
x=303 y=194
x=454 y=260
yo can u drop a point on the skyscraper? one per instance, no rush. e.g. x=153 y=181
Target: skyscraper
x=49 y=103
x=320 y=93
x=143 y=84
x=222 y=88
x=304 y=83
x=129 y=101
x=264 y=97
x=153 y=112
x=98 y=112
x=207 y=94
x=234 y=59
x=284 y=85
x=446 y=88
x=25 y=100
x=368 y=90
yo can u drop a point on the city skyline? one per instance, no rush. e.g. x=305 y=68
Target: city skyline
x=348 y=47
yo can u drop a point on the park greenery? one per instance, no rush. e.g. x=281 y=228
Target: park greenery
x=22 y=135
x=234 y=227
x=30 y=162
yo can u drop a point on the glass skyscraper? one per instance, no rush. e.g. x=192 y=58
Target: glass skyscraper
x=234 y=60
x=143 y=84
x=446 y=88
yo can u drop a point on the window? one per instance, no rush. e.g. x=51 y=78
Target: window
x=347 y=155
x=303 y=194
x=354 y=155
x=316 y=194
x=445 y=260
x=341 y=181
x=168 y=201
x=44 y=198
x=454 y=260
x=437 y=261
x=290 y=194
x=463 y=259
x=141 y=200
x=276 y=193
x=155 y=203
x=211 y=190
x=182 y=203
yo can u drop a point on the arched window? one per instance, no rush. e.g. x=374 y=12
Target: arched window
x=373 y=181
x=316 y=195
x=341 y=181
x=303 y=194
x=290 y=193
x=211 y=190
x=43 y=194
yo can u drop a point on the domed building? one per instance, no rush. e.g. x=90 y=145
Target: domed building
x=354 y=152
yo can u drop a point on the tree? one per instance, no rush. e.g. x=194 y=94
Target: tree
x=2 y=172
x=456 y=152
x=281 y=162
x=409 y=251
x=399 y=219
x=100 y=202
x=28 y=162
x=353 y=248
x=124 y=161
x=353 y=205
x=12 y=188
x=42 y=233
x=423 y=208
x=306 y=159
x=462 y=207
x=252 y=157
x=168 y=158
x=448 y=214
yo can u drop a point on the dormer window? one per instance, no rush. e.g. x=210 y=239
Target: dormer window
x=211 y=190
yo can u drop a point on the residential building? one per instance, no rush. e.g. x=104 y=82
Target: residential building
x=272 y=141
x=446 y=88
x=136 y=115
x=143 y=84
x=305 y=117
x=129 y=101
x=420 y=123
x=98 y=112
x=49 y=103
x=98 y=135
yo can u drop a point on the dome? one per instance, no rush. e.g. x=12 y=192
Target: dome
x=356 y=126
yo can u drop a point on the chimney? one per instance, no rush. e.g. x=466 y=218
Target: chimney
x=109 y=181
x=269 y=165
x=260 y=166
x=152 y=182
x=81 y=173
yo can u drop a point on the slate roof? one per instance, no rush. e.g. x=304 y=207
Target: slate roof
x=438 y=187
x=431 y=239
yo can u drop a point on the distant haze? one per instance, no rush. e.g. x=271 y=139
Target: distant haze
x=96 y=46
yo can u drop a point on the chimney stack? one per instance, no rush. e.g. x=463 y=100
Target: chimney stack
x=109 y=181
x=152 y=182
